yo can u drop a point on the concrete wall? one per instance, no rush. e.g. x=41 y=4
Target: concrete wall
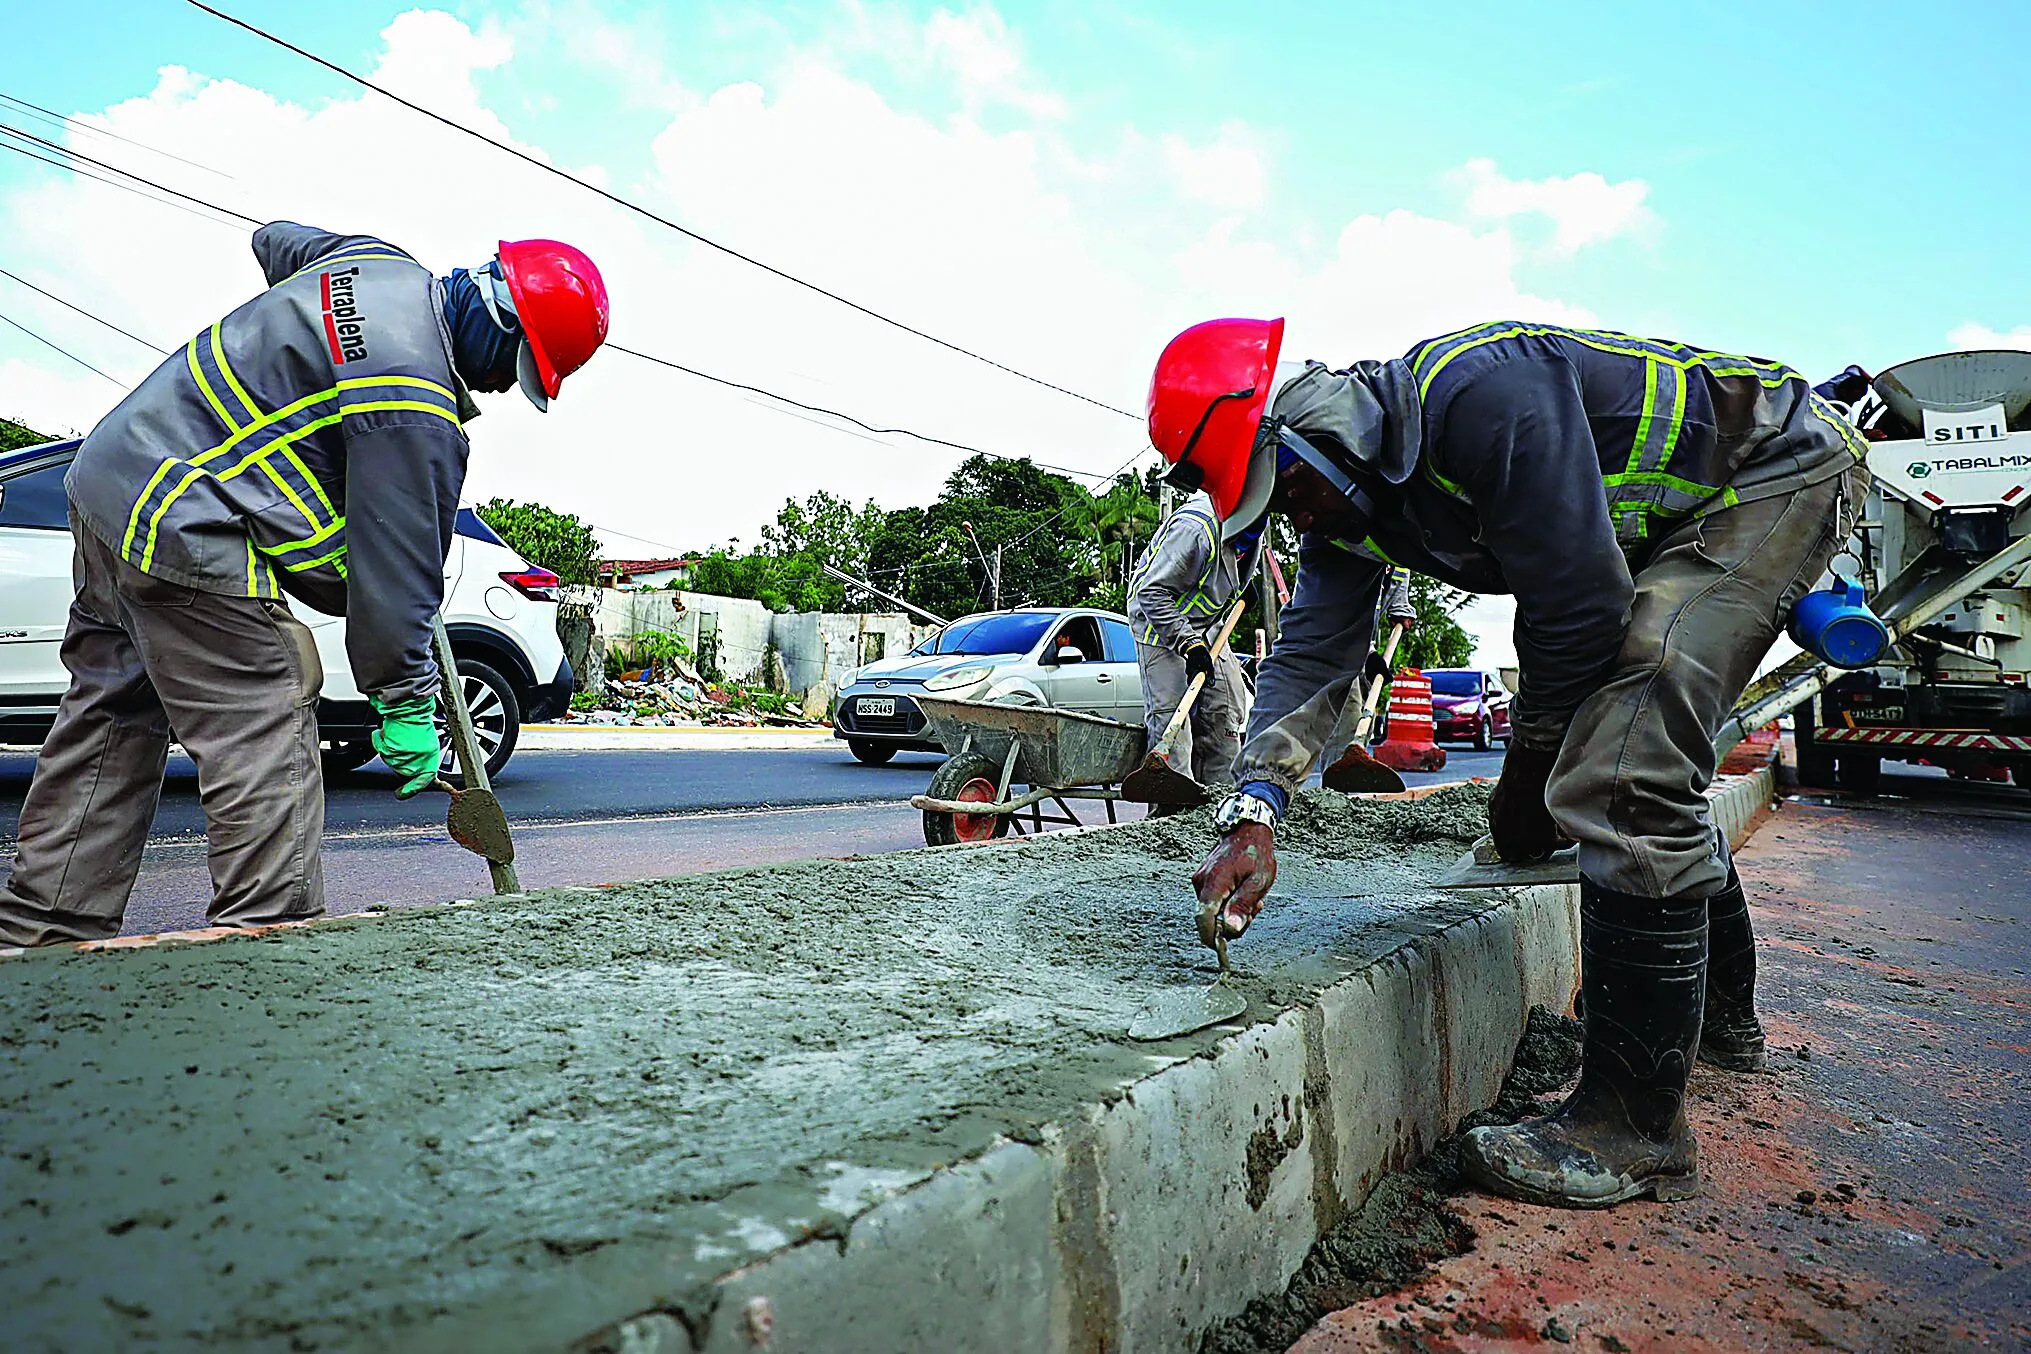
x=818 y=648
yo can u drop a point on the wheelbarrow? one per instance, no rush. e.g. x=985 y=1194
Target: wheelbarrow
x=1056 y=756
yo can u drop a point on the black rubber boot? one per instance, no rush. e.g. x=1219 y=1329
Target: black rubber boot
x=1623 y=1131
x=1731 y=1037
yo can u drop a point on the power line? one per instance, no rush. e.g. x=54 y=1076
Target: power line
x=124 y=173
x=79 y=124
x=830 y=413
x=71 y=355
x=82 y=311
x=112 y=183
x=640 y=210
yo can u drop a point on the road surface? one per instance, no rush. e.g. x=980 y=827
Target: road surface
x=595 y=817
x=1872 y=1191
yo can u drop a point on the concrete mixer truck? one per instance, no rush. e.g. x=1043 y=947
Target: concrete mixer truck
x=1944 y=557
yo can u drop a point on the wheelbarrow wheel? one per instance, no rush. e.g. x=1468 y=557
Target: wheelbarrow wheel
x=970 y=777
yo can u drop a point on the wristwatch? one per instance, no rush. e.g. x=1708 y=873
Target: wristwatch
x=1240 y=808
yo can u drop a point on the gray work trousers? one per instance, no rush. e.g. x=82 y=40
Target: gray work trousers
x=1631 y=777
x=1210 y=743
x=237 y=679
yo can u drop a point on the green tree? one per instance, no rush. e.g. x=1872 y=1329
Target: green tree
x=16 y=435
x=1437 y=640
x=558 y=541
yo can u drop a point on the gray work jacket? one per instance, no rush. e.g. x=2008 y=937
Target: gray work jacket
x=1185 y=580
x=1534 y=460
x=310 y=442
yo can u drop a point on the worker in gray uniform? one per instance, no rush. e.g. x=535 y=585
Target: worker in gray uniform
x=310 y=444
x=1178 y=595
x=1656 y=510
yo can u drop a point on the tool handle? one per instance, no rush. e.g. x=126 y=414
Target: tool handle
x=1367 y=721
x=1198 y=684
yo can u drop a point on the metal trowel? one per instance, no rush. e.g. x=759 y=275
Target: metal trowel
x=1179 y=1011
x=1483 y=868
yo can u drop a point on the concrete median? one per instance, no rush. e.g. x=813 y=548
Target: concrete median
x=867 y=1105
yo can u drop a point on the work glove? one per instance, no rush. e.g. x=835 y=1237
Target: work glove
x=1237 y=872
x=1517 y=817
x=1199 y=660
x=1377 y=666
x=407 y=742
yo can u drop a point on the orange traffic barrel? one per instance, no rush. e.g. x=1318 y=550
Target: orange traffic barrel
x=1410 y=746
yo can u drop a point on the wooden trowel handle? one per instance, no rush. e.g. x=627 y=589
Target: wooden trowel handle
x=1198 y=684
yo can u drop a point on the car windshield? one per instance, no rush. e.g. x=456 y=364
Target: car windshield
x=1001 y=633
x=1456 y=683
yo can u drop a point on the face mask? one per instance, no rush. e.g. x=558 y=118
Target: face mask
x=484 y=335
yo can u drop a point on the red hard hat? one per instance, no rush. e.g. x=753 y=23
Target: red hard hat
x=561 y=301
x=1206 y=401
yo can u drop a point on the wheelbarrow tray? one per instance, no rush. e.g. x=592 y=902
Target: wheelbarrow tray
x=1053 y=747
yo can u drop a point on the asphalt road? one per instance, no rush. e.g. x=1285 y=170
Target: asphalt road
x=1871 y=1190
x=599 y=817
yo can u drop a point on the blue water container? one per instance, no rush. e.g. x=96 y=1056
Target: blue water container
x=1837 y=625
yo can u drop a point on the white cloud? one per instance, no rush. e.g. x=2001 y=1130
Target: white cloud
x=1075 y=263
x=1972 y=335
x=1583 y=208
x=1230 y=172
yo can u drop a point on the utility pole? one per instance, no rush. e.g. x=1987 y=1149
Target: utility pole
x=995 y=579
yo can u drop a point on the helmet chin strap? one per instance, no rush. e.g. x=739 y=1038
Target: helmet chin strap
x=1329 y=468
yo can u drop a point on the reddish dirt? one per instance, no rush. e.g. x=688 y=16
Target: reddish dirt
x=1873 y=1191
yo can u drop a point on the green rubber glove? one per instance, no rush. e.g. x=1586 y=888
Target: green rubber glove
x=407 y=742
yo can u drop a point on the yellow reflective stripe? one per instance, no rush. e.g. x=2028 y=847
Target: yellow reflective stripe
x=267 y=421
x=322 y=534
x=155 y=522
x=1643 y=422
x=1432 y=473
x=204 y=386
x=1776 y=374
x=253 y=579
x=1684 y=486
x=198 y=472
x=1677 y=421
x=289 y=454
x=134 y=518
x=219 y=357
x=288 y=492
x=325 y=558
x=420 y=406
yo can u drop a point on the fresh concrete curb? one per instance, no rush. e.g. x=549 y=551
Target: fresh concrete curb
x=1138 y=1224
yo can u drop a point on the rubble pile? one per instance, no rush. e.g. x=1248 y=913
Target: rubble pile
x=683 y=698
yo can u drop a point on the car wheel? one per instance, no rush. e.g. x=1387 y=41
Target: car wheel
x=496 y=719
x=339 y=758
x=1484 y=734
x=870 y=754
x=971 y=776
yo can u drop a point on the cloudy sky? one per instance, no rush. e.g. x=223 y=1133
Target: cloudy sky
x=1060 y=186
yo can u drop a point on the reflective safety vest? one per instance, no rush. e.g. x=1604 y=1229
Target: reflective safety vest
x=312 y=435
x=1680 y=431
x=1185 y=558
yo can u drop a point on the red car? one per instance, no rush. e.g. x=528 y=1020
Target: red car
x=1469 y=705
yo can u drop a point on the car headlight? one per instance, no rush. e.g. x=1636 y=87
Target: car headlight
x=958 y=677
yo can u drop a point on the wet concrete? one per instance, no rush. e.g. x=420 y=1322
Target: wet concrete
x=1871 y=1192
x=503 y=1125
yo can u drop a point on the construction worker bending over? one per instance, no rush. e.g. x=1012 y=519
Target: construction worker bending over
x=1178 y=596
x=1656 y=510
x=311 y=443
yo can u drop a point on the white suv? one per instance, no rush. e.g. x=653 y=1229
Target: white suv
x=501 y=614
